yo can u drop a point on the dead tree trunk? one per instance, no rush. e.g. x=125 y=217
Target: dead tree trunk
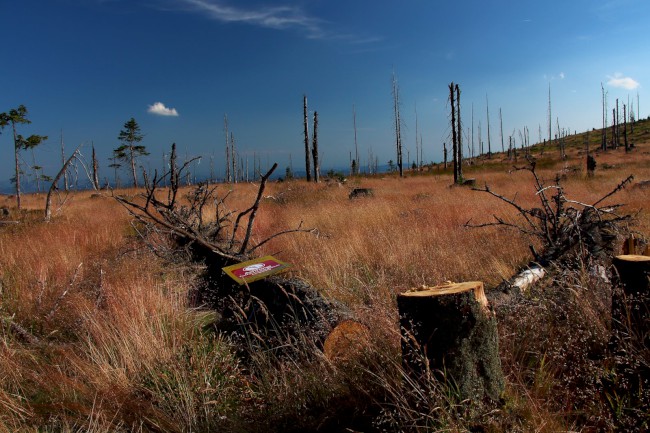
x=398 y=126
x=48 y=200
x=306 y=125
x=233 y=158
x=454 y=143
x=314 y=150
x=449 y=333
x=459 y=134
x=95 y=166
x=225 y=129
x=444 y=149
x=65 y=175
x=627 y=147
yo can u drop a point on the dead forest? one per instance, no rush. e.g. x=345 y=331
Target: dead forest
x=508 y=292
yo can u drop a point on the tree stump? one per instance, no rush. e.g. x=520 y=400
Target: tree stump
x=631 y=299
x=347 y=341
x=450 y=333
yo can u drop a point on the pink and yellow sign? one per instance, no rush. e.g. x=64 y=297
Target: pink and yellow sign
x=253 y=270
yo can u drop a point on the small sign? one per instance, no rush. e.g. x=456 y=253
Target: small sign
x=253 y=270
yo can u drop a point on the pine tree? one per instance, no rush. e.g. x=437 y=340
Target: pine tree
x=13 y=117
x=130 y=136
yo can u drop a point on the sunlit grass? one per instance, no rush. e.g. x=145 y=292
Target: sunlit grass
x=119 y=348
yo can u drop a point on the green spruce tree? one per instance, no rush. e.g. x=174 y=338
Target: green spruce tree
x=129 y=150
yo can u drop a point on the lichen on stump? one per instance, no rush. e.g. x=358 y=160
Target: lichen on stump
x=450 y=332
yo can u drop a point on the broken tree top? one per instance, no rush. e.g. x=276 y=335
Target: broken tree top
x=257 y=269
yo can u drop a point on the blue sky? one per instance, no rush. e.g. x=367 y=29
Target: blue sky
x=85 y=67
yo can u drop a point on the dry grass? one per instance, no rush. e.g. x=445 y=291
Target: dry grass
x=120 y=349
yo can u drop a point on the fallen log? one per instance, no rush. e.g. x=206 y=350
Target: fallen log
x=450 y=333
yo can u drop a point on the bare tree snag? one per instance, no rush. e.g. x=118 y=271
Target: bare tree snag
x=454 y=145
x=450 y=333
x=398 y=126
x=314 y=150
x=48 y=200
x=459 y=134
x=306 y=127
x=65 y=175
x=95 y=170
x=225 y=129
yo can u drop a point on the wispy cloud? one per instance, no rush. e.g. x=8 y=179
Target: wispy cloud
x=284 y=17
x=560 y=76
x=620 y=81
x=158 y=108
x=273 y=17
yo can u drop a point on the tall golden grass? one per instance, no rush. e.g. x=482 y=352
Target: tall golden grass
x=119 y=347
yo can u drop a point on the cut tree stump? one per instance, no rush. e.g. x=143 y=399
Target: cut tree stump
x=346 y=341
x=450 y=333
x=631 y=298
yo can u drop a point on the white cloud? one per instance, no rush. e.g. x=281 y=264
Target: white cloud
x=618 y=80
x=159 y=109
x=561 y=75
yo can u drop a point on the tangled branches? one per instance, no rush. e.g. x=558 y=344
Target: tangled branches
x=201 y=220
x=562 y=224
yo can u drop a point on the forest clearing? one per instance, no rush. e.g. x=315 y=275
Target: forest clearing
x=110 y=323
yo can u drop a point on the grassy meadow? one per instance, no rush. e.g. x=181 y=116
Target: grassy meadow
x=100 y=334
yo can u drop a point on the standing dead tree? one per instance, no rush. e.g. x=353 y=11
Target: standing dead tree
x=314 y=149
x=53 y=187
x=306 y=128
x=95 y=170
x=398 y=125
x=456 y=132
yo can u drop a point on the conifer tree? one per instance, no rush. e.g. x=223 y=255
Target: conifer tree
x=129 y=150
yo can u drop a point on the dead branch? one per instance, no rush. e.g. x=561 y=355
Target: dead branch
x=186 y=223
x=48 y=200
x=560 y=223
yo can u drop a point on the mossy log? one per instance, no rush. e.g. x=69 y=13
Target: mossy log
x=631 y=298
x=450 y=333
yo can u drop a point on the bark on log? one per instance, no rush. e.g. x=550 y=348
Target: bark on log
x=450 y=333
x=631 y=299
